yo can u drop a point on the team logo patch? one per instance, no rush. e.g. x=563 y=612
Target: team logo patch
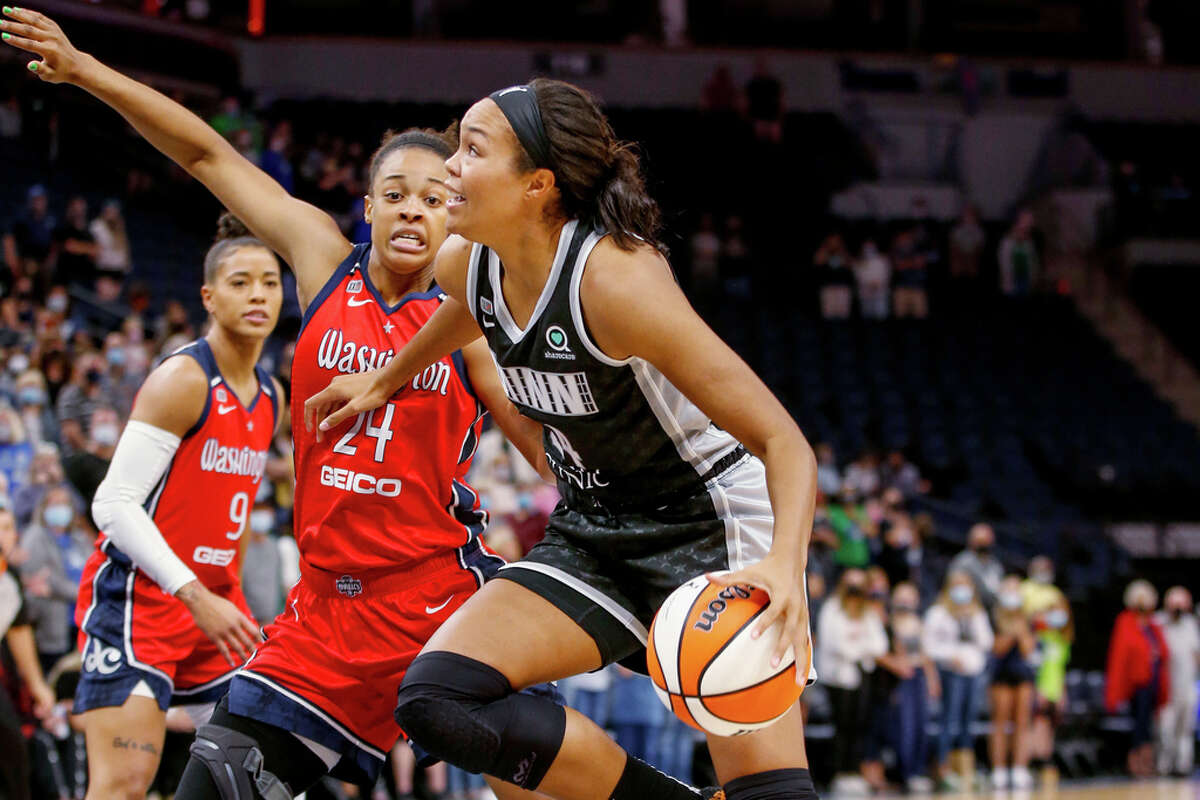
x=355 y=286
x=222 y=397
x=349 y=586
x=485 y=306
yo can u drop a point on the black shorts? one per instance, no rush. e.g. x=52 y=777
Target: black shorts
x=611 y=571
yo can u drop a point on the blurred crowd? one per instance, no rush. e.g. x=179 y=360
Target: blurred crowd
x=922 y=654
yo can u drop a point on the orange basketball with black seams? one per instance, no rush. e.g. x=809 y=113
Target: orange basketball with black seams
x=709 y=670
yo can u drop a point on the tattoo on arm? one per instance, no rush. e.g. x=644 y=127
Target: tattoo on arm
x=130 y=744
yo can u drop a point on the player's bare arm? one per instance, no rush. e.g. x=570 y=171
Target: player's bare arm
x=450 y=328
x=306 y=237
x=633 y=307
x=523 y=432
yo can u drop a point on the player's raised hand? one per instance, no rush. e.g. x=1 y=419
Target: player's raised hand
x=777 y=576
x=344 y=397
x=29 y=30
x=234 y=634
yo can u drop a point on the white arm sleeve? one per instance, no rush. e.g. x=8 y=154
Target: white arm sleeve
x=139 y=462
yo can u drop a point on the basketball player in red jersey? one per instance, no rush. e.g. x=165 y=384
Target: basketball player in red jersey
x=386 y=526
x=161 y=613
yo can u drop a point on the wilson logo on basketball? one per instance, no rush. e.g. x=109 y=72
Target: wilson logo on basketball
x=709 y=617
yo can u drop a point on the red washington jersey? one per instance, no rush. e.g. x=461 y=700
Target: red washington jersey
x=203 y=500
x=388 y=488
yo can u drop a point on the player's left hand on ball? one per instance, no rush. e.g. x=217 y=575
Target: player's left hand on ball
x=37 y=33
x=784 y=584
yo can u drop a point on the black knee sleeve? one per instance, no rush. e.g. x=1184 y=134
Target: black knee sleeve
x=777 y=784
x=639 y=781
x=235 y=764
x=464 y=712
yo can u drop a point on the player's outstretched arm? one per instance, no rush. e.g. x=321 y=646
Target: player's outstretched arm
x=450 y=328
x=169 y=404
x=306 y=237
x=634 y=308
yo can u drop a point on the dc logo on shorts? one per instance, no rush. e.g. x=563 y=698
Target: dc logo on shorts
x=105 y=660
x=349 y=586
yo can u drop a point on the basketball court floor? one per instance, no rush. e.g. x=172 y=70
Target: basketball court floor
x=1173 y=789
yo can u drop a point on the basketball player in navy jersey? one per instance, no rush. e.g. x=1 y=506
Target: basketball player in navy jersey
x=387 y=528
x=672 y=457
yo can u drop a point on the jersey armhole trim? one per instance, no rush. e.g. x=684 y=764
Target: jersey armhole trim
x=581 y=328
x=460 y=366
x=473 y=278
x=343 y=269
x=266 y=385
x=208 y=387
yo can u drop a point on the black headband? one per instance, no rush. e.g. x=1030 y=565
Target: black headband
x=520 y=108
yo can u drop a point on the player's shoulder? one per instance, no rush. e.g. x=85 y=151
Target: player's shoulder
x=450 y=268
x=178 y=374
x=614 y=272
x=174 y=395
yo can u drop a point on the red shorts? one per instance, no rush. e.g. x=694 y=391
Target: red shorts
x=132 y=631
x=335 y=657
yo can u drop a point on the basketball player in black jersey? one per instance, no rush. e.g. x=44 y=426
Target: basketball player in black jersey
x=594 y=339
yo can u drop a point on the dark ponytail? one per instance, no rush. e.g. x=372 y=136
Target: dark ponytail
x=232 y=235
x=598 y=176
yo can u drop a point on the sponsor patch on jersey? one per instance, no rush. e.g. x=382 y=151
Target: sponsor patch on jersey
x=355 y=286
x=560 y=348
x=485 y=305
x=222 y=396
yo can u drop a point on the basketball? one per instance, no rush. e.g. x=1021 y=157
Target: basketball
x=706 y=667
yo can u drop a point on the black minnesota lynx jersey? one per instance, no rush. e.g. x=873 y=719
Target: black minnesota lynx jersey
x=617 y=431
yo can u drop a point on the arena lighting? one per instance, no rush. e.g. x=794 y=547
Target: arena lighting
x=255 y=17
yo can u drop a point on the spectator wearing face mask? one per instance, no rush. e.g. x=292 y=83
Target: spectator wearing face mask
x=958 y=637
x=1138 y=672
x=262 y=564
x=16 y=451
x=916 y=681
x=1012 y=689
x=45 y=472
x=55 y=552
x=1055 y=634
x=1177 y=720
x=879 y=685
x=850 y=636
x=78 y=400
x=125 y=374
x=979 y=561
x=86 y=468
x=33 y=404
x=1038 y=592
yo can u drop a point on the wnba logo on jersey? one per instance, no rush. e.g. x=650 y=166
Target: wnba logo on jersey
x=233 y=460
x=338 y=353
x=564 y=394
